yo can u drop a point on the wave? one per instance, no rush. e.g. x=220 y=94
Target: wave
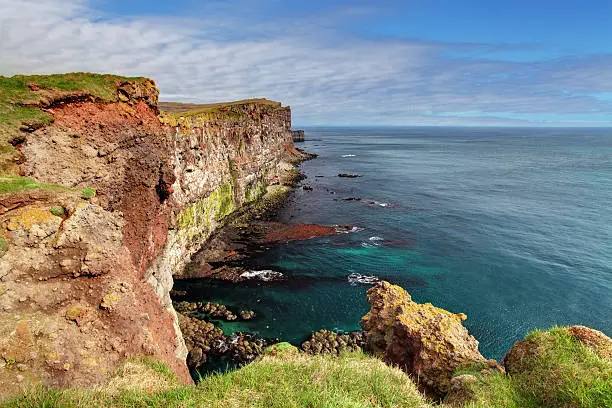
x=349 y=155
x=266 y=275
x=355 y=278
x=344 y=230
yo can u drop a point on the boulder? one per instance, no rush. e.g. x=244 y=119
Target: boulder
x=426 y=342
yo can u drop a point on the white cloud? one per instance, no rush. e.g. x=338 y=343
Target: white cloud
x=325 y=75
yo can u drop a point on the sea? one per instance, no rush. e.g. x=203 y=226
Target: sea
x=511 y=226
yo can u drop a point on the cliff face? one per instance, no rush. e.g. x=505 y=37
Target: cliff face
x=111 y=199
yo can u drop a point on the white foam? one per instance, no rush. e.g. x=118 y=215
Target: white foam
x=343 y=230
x=355 y=278
x=349 y=155
x=265 y=275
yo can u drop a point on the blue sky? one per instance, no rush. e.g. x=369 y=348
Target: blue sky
x=413 y=62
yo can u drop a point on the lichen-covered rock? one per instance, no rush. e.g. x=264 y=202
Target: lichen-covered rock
x=427 y=342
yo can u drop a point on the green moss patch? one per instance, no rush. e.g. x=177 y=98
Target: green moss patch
x=198 y=217
x=58 y=211
x=88 y=193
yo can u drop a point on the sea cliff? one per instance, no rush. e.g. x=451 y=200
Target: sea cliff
x=103 y=198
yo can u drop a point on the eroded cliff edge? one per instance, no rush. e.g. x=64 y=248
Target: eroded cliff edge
x=102 y=198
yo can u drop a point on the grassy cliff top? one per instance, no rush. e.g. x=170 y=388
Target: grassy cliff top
x=555 y=369
x=196 y=115
x=288 y=379
x=24 y=99
x=193 y=108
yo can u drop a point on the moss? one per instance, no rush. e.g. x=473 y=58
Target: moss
x=57 y=210
x=215 y=207
x=3 y=246
x=88 y=193
x=255 y=190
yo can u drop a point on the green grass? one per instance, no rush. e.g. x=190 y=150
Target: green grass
x=57 y=210
x=10 y=184
x=559 y=372
x=289 y=380
x=88 y=193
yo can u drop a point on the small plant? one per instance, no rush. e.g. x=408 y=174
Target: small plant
x=88 y=193
x=57 y=210
x=3 y=247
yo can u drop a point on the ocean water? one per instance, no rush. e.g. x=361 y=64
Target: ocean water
x=511 y=226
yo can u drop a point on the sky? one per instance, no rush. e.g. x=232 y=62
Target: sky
x=378 y=62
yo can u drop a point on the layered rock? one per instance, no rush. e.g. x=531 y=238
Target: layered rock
x=427 y=342
x=121 y=201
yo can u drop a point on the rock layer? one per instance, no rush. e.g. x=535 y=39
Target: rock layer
x=426 y=342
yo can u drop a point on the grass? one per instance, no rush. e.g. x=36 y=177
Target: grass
x=558 y=372
x=10 y=184
x=289 y=380
x=88 y=193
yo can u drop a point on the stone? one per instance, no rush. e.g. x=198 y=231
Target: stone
x=426 y=342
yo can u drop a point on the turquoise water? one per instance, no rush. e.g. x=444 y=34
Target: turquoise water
x=511 y=226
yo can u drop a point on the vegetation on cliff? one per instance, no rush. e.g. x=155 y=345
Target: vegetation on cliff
x=552 y=368
x=282 y=378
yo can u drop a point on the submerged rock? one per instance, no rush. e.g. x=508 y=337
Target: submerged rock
x=427 y=342
x=345 y=175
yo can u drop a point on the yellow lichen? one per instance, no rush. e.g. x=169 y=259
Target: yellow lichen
x=109 y=300
x=75 y=312
x=26 y=218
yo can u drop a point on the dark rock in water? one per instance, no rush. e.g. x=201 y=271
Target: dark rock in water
x=196 y=357
x=329 y=342
x=247 y=314
x=319 y=176
x=352 y=199
x=345 y=175
x=297 y=135
x=215 y=310
x=177 y=293
x=307 y=188
x=204 y=339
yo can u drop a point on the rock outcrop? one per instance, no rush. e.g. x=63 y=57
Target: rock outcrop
x=298 y=135
x=427 y=342
x=110 y=200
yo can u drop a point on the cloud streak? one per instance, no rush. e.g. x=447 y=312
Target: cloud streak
x=326 y=75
